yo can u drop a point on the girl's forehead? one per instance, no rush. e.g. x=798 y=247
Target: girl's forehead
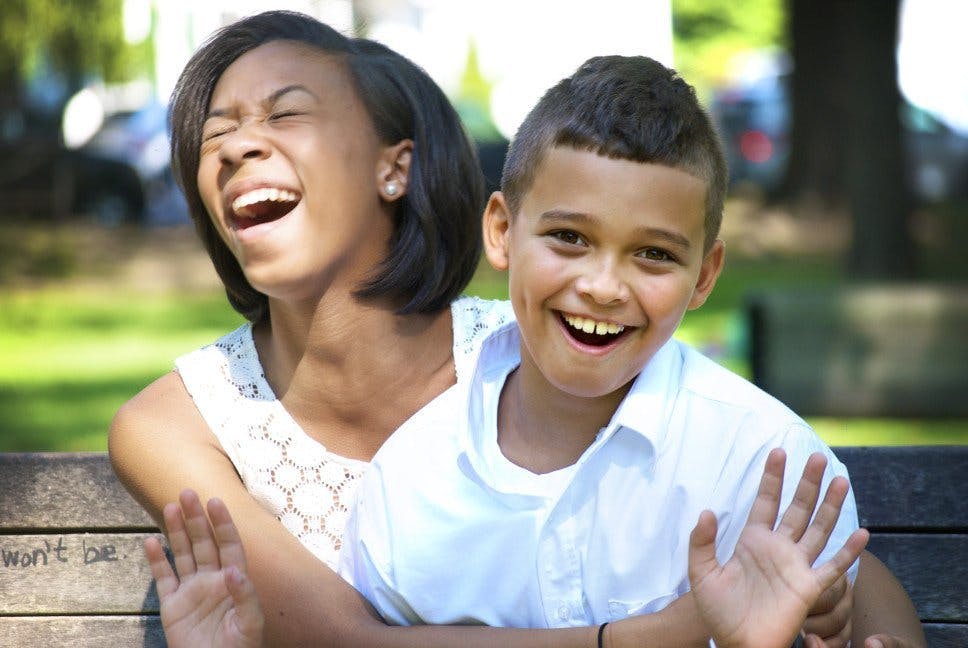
x=258 y=73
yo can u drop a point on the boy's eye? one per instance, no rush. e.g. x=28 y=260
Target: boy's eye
x=568 y=236
x=655 y=254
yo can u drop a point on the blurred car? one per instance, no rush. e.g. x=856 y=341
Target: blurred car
x=754 y=120
x=121 y=175
x=140 y=140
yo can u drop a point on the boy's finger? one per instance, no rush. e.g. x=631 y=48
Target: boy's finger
x=199 y=532
x=248 y=611
x=830 y=597
x=702 y=548
x=830 y=615
x=767 y=501
x=226 y=535
x=813 y=641
x=818 y=533
x=798 y=514
x=843 y=559
x=178 y=541
x=165 y=579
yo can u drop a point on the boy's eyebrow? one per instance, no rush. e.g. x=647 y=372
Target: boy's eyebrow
x=273 y=97
x=563 y=216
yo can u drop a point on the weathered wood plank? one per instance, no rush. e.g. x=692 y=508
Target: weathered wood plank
x=946 y=635
x=75 y=574
x=863 y=350
x=922 y=487
x=81 y=632
x=47 y=491
x=932 y=569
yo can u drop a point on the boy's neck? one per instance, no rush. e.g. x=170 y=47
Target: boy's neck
x=542 y=428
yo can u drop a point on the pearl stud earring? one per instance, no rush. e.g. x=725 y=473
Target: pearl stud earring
x=391 y=189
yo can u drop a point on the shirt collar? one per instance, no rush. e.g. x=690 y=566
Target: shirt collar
x=645 y=410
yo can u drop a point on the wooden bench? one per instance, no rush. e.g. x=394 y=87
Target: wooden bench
x=72 y=572
x=863 y=350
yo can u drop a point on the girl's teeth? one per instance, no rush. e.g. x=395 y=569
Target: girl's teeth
x=262 y=195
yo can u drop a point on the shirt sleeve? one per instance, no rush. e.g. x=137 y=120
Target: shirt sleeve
x=799 y=442
x=365 y=556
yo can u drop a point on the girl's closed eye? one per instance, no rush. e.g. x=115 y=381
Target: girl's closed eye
x=215 y=132
x=283 y=114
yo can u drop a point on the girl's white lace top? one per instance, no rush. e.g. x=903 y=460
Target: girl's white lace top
x=306 y=487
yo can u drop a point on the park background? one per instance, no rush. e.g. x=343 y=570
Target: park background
x=95 y=304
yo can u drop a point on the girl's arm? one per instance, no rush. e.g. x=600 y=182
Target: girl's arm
x=160 y=445
x=882 y=609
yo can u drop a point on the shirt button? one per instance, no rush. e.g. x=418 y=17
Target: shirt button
x=563 y=613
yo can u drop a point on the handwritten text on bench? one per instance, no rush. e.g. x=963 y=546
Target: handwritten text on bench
x=59 y=553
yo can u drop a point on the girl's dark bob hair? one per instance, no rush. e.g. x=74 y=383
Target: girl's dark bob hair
x=436 y=243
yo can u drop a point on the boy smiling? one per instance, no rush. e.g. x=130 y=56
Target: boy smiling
x=559 y=486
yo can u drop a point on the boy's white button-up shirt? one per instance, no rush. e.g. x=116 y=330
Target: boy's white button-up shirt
x=449 y=531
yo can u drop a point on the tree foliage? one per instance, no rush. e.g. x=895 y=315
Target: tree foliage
x=708 y=33
x=76 y=38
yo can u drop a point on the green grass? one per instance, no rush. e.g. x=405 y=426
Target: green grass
x=70 y=358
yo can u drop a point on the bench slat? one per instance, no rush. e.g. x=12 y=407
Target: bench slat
x=81 y=632
x=932 y=569
x=48 y=491
x=946 y=635
x=75 y=574
x=904 y=487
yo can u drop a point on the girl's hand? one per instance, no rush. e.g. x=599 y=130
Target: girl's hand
x=761 y=596
x=210 y=601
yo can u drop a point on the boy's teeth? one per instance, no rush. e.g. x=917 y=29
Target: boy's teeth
x=266 y=194
x=592 y=326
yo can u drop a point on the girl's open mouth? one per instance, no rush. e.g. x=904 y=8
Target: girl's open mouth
x=262 y=205
x=592 y=332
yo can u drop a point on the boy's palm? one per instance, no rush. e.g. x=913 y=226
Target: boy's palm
x=209 y=602
x=761 y=596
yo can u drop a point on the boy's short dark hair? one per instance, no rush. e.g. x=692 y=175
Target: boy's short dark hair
x=436 y=243
x=630 y=108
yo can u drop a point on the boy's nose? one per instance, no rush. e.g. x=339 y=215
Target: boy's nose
x=603 y=284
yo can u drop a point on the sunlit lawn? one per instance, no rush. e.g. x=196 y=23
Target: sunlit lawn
x=69 y=359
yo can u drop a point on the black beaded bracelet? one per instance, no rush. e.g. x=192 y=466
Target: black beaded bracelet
x=601 y=634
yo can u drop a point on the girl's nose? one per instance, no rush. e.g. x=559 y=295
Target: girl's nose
x=246 y=142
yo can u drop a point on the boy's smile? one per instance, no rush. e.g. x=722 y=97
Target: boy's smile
x=604 y=258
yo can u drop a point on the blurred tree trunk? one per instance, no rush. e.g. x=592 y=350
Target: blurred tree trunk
x=816 y=170
x=846 y=135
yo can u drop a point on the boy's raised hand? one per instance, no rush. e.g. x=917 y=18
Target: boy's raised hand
x=210 y=601
x=761 y=596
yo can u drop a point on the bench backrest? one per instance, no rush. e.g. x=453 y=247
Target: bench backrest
x=72 y=572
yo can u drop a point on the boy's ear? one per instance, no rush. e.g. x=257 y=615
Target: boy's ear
x=712 y=265
x=496 y=224
x=393 y=170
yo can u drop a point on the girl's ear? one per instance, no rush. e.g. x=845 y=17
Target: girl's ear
x=497 y=231
x=393 y=170
x=712 y=265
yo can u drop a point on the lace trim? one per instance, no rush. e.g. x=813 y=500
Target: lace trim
x=306 y=487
